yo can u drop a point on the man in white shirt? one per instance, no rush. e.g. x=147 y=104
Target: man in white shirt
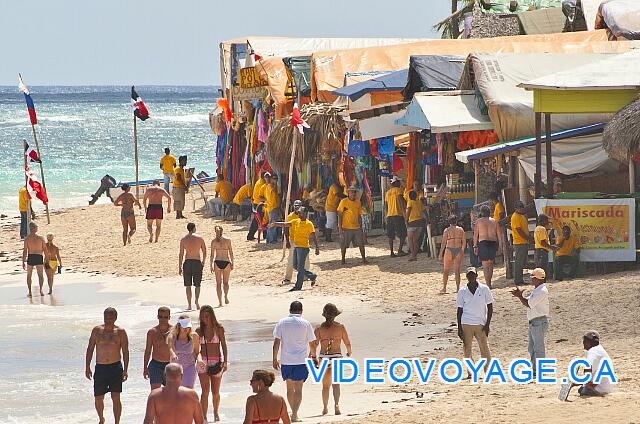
x=595 y=356
x=475 y=308
x=293 y=337
x=537 y=304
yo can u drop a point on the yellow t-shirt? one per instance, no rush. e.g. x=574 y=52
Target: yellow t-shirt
x=225 y=189
x=351 y=211
x=419 y=195
x=519 y=221
x=416 y=210
x=291 y=217
x=331 y=204
x=540 y=234
x=178 y=171
x=568 y=246
x=167 y=162
x=272 y=198
x=22 y=199
x=300 y=231
x=497 y=211
x=244 y=192
x=258 y=189
x=393 y=203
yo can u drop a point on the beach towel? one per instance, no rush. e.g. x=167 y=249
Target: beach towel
x=356 y=148
x=386 y=146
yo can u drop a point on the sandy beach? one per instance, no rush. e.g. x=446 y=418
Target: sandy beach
x=391 y=308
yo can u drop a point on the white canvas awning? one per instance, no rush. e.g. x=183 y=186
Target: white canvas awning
x=445 y=111
x=383 y=126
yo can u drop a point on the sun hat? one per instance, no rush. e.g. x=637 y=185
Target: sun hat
x=592 y=335
x=472 y=269
x=538 y=273
x=185 y=323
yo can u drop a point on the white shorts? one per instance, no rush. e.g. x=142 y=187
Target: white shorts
x=332 y=221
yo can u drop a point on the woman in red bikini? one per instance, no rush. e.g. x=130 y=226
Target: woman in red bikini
x=265 y=407
x=213 y=351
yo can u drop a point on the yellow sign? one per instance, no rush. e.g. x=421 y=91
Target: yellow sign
x=255 y=93
x=250 y=77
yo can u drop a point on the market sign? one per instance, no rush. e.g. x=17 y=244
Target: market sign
x=250 y=77
x=255 y=93
x=605 y=227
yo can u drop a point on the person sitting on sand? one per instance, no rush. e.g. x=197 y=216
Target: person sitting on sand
x=242 y=196
x=111 y=345
x=191 y=269
x=173 y=404
x=265 y=407
x=595 y=355
x=157 y=350
x=184 y=348
x=214 y=353
x=416 y=219
x=221 y=263
x=33 y=256
x=452 y=248
x=153 y=196
x=568 y=254
x=127 y=215
x=52 y=261
x=329 y=336
x=350 y=223
x=487 y=241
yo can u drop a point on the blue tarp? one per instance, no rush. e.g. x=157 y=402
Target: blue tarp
x=394 y=81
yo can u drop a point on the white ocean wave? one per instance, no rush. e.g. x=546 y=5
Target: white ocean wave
x=194 y=117
x=59 y=118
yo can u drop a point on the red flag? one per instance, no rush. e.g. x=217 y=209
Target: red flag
x=296 y=119
x=34 y=188
x=139 y=108
x=31 y=153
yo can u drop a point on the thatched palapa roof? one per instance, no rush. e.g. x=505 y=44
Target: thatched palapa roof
x=621 y=137
x=325 y=135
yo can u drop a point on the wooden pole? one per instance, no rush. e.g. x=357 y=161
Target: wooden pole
x=44 y=184
x=547 y=130
x=135 y=153
x=522 y=183
x=26 y=183
x=632 y=176
x=538 y=176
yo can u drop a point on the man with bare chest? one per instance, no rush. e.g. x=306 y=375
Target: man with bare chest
x=33 y=256
x=157 y=349
x=487 y=241
x=111 y=345
x=153 y=206
x=191 y=269
x=173 y=404
x=127 y=215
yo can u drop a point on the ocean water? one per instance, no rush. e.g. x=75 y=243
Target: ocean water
x=86 y=132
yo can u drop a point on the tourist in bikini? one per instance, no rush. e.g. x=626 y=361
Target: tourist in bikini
x=330 y=336
x=52 y=261
x=152 y=202
x=213 y=351
x=452 y=248
x=173 y=404
x=416 y=218
x=265 y=407
x=221 y=263
x=33 y=252
x=157 y=350
x=184 y=348
x=191 y=246
x=112 y=346
x=487 y=241
x=127 y=215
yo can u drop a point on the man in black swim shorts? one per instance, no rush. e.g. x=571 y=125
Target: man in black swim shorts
x=487 y=241
x=194 y=252
x=33 y=256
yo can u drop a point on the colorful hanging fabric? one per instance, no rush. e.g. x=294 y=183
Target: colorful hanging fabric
x=356 y=148
x=386 y=145
x=397 y=164
x=373 y=146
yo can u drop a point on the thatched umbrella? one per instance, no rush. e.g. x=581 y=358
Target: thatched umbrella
x=621 y=137
x=325 y=135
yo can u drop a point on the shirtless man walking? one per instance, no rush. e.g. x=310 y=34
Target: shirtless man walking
x=111 y=345
x=153 y=196
x=191 y=264
x=221 y=263
x=33 y=255
x=487 y=240
x=127 y=215
x=157 y=349
x=173 y=404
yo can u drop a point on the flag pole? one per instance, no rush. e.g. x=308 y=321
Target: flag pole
x=135 y=149
x=26 y=183
x=44 y=184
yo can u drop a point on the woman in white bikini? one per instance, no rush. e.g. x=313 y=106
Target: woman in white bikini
x=452 y=249
x=213 y=351
x=329 y=336
x=221 y=263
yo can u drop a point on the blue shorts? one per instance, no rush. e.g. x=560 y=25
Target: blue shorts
x=295 y=372
x=156 y=372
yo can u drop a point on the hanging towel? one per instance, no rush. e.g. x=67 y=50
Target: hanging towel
x=386 y=146
x=356 y=148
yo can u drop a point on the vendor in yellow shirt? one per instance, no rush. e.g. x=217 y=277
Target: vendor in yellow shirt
x=297 y=204
x=542 y=245
x=167 y=163
x=272 y=208
x=498 y=209
x=520 y=233
x=224 y=195
x=181 y=183
x=416 y=219
x=349 y=212
x=330 y=209
x=416 y=188
x=396 y=225
x=24 y=212
x=568 y=254
x=256 y=200
x=235 y=207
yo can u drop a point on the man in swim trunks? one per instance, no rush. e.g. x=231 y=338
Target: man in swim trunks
x=173 y=404
x=191 y=269
x=127 y=215
x=33 y=256
x=111 y=345
x=153 y=196
x=487 y=240
x=157 y=349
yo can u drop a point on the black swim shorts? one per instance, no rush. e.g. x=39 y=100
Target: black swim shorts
x=396 y=227
x=34 y=259
x=192 y=272
x=107 y=378
x=487 y=250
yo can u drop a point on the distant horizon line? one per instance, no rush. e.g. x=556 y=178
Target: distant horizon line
x=114 y=85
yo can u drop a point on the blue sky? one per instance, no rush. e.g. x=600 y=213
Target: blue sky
x=92 y=42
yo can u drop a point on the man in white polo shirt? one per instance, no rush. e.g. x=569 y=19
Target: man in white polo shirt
x=537 y=304
x=475 y=307
x=595 y=356
x=293 y=337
